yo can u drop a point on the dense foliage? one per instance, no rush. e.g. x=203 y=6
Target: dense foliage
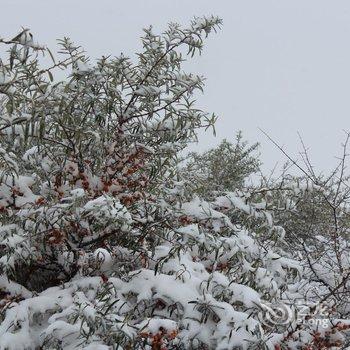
x=224 y=168
x=109 y=241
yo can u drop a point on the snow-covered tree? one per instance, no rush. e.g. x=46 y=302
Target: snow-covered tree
x=105 y=244
x=305 y=218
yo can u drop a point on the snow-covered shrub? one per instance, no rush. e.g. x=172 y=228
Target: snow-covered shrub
x=307 y=219
x=104 y=243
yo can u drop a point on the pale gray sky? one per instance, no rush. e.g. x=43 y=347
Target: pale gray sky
x=282 y=65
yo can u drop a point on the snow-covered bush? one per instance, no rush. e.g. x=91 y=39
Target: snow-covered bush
x=104 y=242
x=305 y=218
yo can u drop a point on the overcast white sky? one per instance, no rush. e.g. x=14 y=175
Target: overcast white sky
x=280 y=65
